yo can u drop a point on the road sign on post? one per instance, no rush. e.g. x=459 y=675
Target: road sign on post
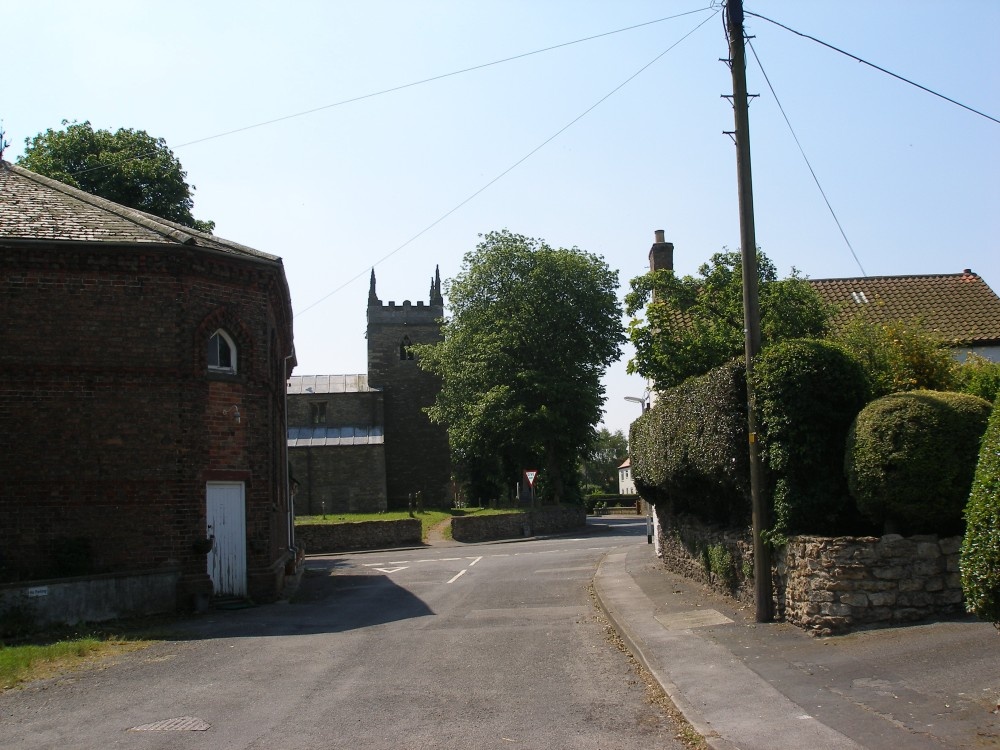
x=530 y=475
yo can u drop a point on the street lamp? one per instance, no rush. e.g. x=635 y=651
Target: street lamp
x=637 y=400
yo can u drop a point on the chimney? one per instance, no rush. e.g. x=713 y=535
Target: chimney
x=661 y=254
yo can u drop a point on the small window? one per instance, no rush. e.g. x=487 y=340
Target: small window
x=221 y=353
x=404 y=348
x=317 y=413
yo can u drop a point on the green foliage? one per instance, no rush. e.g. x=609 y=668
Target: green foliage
x=808 y=393
x=531 y=331
x=980 y=559
x=720 y=563
x=692 y=324
x=602 y=458
x=911 y=458
x=689 y=452
x=129 y=167
x=898 y=356
x=979 y=376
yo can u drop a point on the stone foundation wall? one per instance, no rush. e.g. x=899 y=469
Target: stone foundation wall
x=515 y=525
x=825 y=584
x=320 y=538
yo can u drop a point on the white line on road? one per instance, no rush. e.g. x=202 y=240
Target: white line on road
x=475 y=561
x=457 y=576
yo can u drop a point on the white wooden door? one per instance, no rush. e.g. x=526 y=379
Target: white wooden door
x=226 y=521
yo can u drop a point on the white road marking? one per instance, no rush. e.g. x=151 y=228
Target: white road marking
x=475 y=561
x=392 y=570
x=457 y=576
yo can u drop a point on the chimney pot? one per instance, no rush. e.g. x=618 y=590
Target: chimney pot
x=658 y=234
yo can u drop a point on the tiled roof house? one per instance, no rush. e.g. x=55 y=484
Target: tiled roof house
x=142 y=389
x=960 y=307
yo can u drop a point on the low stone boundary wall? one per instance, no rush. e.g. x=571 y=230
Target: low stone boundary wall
x=97 y=598
x=825 y=584
x=318 y=538
x=832 y=584
x=515 y=525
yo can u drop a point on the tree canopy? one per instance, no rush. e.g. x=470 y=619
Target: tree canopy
x=129 y=167
x=694 y=324
x=603 y=457
x=531 y=330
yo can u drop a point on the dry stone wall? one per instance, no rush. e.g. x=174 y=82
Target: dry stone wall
x=319 y=538
x=515 y=525
x=825 y=584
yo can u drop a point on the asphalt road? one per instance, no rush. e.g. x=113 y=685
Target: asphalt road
x=486 y=646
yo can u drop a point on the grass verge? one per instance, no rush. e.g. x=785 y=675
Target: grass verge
x=35 y=661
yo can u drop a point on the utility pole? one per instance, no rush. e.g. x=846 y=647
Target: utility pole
x=751 y=310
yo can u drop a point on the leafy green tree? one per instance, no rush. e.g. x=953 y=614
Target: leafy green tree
x=129 y=167
x=693 y=324
x=531 y=331
x=980 y=377
x=602 y=459
x=899 y=356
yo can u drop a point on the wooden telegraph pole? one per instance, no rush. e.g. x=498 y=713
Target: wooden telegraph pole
x=751 y=311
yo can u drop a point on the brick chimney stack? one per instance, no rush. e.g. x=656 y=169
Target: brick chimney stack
x=661 y=254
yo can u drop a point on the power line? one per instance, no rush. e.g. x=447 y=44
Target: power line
x=806 y=158
x=509 y=169
x=401 y=87
x=873 y=65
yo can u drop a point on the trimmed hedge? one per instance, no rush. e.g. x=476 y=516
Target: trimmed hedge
x=808 y=393
x=980 y=559
x=689 y=452
x=911 y=458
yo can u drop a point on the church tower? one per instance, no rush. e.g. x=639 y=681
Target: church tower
x=417 y=458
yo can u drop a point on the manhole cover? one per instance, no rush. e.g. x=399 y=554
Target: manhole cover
x=180 y=724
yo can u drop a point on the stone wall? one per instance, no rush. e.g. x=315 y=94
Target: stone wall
x=514 y=525
x=833 y=584
x=338 y=478
x=825 y=584
x=319 y=538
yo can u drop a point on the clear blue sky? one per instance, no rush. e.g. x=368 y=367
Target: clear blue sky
x=914 y=180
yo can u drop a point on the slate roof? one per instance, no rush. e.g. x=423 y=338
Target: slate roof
x=305 y=384
x=33 y=207
x=960 y=307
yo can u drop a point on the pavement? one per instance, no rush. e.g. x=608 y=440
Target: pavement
x=748 y=685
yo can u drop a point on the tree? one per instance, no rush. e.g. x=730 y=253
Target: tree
x=531 y=330
x=129 y=167
x=695 y=324
x=602 y=459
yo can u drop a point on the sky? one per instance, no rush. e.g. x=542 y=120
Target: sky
x=277 y=113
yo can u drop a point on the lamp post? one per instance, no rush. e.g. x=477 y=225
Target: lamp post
x=637 y=400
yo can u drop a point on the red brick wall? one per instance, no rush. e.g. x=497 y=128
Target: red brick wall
x=110 y=423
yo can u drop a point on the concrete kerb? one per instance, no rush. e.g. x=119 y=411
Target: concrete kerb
x=722 y=698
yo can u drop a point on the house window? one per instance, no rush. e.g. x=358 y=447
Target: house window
x=405 y=352
x=221 y=355
x=317 y=413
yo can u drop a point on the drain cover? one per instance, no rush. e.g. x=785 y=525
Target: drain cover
x=180 y=724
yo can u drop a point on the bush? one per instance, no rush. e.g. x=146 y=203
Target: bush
x=911 y=457
x=689 y=452
x=807 y=394
x=979 y=376
x=898 y=355
x=980 y=561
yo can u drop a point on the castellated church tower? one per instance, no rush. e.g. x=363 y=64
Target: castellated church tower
x=417 y=458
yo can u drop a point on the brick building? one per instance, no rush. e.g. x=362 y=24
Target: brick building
x=362 y=442
x=142 y=377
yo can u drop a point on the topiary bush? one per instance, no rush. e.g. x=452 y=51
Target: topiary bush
x=911 y=457
x=808 y=393
x=980 y=559
x=689 y=452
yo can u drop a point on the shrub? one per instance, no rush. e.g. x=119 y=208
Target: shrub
x=898 y=355
x=911 y=457
x=689 y=452
x=979 y=376
x=980 y=560
x=807 y=394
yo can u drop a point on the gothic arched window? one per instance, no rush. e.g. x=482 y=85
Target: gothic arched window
x=221 y=353
x=405 y=352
